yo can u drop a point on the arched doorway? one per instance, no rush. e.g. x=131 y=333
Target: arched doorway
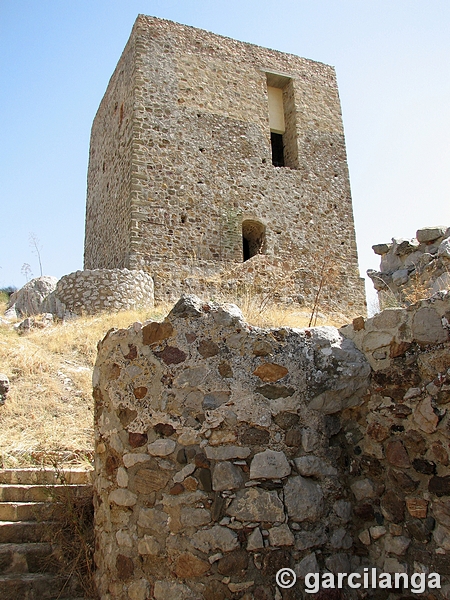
x=253 y=238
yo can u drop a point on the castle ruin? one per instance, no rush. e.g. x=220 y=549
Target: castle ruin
x=206 y=153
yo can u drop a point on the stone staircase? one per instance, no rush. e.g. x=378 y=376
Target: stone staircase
x=30 y=507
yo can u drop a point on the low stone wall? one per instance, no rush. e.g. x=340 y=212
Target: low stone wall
x=225 y=452
x=413 y=269
x=98 y=290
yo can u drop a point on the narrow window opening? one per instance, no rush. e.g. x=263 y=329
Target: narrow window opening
x=276 y=140
x=282 y=120
x=253 y=239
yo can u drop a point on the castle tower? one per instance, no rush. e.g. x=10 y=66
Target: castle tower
x=206 y=153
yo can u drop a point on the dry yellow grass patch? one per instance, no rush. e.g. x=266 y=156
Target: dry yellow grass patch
x=48 y=415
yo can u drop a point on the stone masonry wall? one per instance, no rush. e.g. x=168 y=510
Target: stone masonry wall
x=397 y=442
x=225 y=452
x=413 y=269
x=195 y=138
x=93 y=291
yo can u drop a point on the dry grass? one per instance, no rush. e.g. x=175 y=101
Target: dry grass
x=48 y=415
x=49 y=408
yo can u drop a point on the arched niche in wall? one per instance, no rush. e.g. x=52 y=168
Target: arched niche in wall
x=253 y=238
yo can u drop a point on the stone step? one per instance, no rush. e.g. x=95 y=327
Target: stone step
x=11 y=492
x=21 y=532
x=26 y=511
x=46 y=476
x=28 y=558
x=37 y=586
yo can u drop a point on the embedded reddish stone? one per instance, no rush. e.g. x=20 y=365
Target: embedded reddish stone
x=154 y=333
x=132 y=354
x=402 y=481
x=225 y=370
x=377 y=431
x=111 y=464
x=178 y=488
x=398 y=349
x=358 y=323
x=136 y=440
x=172 y=355
x=201 y=461
x=140 y=392
x=417 y=507
x=439 y=453
x=208 y=348
x=233 y=563
x=164 y=429
x=190 y=337
x=293 y=438
x=270 y=372
x=393 y=507
x=124 y=566
x=188 y=565
x=114 y=371
x=397 y=455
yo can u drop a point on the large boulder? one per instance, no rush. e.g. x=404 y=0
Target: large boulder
x=28 y=300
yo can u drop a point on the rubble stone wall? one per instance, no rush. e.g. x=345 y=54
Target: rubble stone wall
x=93 y=291
x=413 y=269
x=180 y=158
x=225 y=452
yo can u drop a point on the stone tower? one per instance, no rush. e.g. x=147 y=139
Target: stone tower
x=212 y=159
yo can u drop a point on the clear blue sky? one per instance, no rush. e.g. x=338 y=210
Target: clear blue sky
x=392 y=59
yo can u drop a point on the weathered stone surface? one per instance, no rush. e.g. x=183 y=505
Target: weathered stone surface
x=171 y=590
x=313 y=466
x=194 y=517
x=216 y=538
x=397 y=545
x=396 y=454
x=139 y=590
x=303 y=499
x=281 y=536
x=188 y=565
x=363 y=489
x=269 y=464
x=123 y=497
x=29 y=299
x=425 y=416
x=161 y=447
x=226 y=452
x=441 y=510
x=150 y=480
x=427 y=327
x=226 y=476
x=441 y=536
x=308 y=564
x=255 y=540
x=257 y=505
x=430 y=234
x=149 y=545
